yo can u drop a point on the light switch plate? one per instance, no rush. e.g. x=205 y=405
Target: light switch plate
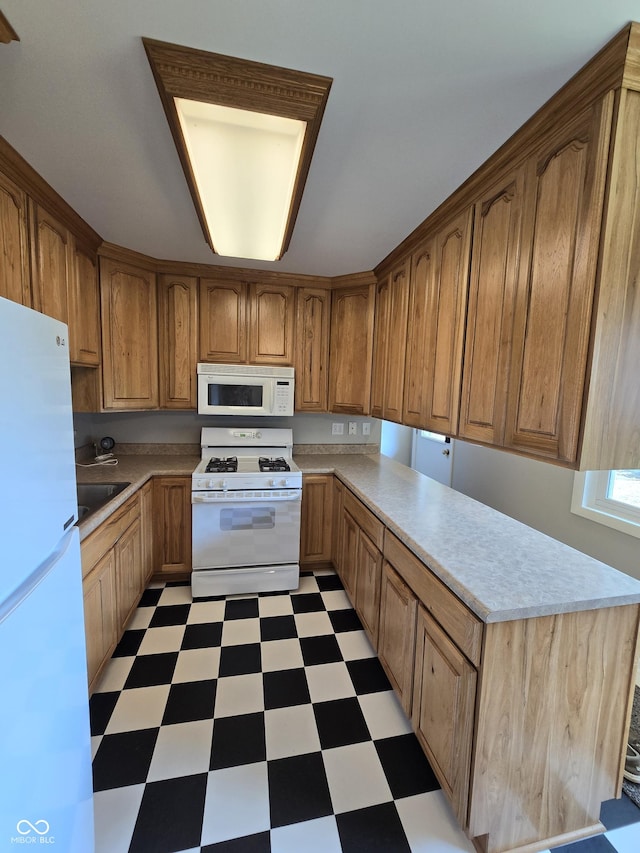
x=337 y=429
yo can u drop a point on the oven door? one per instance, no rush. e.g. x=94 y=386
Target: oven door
x=241 y=529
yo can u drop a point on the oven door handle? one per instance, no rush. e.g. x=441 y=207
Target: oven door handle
x=244 y=497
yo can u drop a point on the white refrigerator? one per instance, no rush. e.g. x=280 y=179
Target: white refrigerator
x=45 y=751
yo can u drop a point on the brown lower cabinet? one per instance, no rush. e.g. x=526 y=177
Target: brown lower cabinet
x=316 y=520
x=172 y=520
x=397 y=633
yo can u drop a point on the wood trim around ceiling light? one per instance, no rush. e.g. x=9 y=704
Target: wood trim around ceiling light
x=7 y=33
x=183 y=72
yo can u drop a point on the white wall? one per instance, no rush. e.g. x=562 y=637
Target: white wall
x=184 y=427
x=395 y=441
x=539 y=494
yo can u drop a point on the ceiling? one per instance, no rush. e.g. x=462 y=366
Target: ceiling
x=423 y=92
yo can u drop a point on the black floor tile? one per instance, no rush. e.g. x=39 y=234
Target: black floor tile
x=129 y=644
x=285 y=688
x=405 y=765
x=376 y=829
x=345 y=620
x=307 y=602
x=596 y=844
x=123 y=759
x=340 y=722
x=170 y=815
x=192 y=700
x=368 y=676
x=238 y=740
x=298 y=789
x=241 y=608
x=326 y=583
x=101 y=707
x=622 y=812
x=148 y=670
x=277 y=628
x=240 y=660
x=150 y=597
x=171 y=614
x=317 y=650
x=202 y=636
x=258 y=843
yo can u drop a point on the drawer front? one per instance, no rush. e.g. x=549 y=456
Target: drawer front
x=365 y=519
x=105 y=537
x=464 y=628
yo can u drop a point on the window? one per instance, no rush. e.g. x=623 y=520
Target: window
x=609 y=497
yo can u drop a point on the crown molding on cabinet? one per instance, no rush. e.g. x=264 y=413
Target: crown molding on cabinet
x=7 y=33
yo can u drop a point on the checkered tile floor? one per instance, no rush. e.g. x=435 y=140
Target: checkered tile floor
x=265 y=724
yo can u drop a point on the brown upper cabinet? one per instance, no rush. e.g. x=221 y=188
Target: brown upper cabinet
x=15 y=283
x=313 y=318
x=178 y=341
x=389 y=344
x=129 y=335
x=51 y=265
x=272 y=312
x=84 y=308
x=352 y=311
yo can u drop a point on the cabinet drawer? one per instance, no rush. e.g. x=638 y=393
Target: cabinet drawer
x=105 y=537
x=365 y=519
x=459 y=622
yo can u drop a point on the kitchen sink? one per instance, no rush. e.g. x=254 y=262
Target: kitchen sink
x=93 y=496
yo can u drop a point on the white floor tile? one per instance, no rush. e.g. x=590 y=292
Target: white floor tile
x=291 y=731
x=206 y=611
x=197 y=665
x=138 y=708
x=238 y=632
x=141 y=618
x=275 y=605
x=336 y=599
x=239 y=694
x=626 y=839
x=430 y=826
x=384 y=715
x=329 y=681
x=281 y=654
x=176 y=595
x=307 y=584
x=310 y=836
x=313 y=624
x=114 y=675
x=115 y=812
x=96 y=740
x=355 y=776
x=355 y=645
x=236 y=803
x=159 y=640
x=182 y=749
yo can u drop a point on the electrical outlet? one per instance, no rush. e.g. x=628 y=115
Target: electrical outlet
x=353 y=428
x=337 y=429
x=366 y=428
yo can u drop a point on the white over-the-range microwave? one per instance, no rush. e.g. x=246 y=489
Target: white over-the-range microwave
x=243 y=389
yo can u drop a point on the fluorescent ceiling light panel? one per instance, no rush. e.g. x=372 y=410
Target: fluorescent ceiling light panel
x=245 y=165
x=245 y=134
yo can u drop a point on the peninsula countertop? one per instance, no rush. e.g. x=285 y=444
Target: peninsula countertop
x=501 y=569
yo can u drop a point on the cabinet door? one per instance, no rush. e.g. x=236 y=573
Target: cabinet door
x=101 y=634
x=130 y=336
x=350 y=532
x=84 y=308
x=129 y=583
x=337 y=524
x=443 y=709
x=397 y=633
x=312 y=349
x=272 y=316
x=172 y=515
x=367 y=582
x=146 y=525
x=317 y=518
x=223 y=321
x=380 y=346
x=14 y=243
x=420 y=288
x=496 y=262
x=51 y=267
x=351 y=349
x=396 y=343
x=553 y=311
x=178 y=341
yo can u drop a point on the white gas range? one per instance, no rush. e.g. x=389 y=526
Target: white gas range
x=246 y=494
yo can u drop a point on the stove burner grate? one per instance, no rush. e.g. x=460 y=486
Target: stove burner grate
x=279 y=464
x=222 y=466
